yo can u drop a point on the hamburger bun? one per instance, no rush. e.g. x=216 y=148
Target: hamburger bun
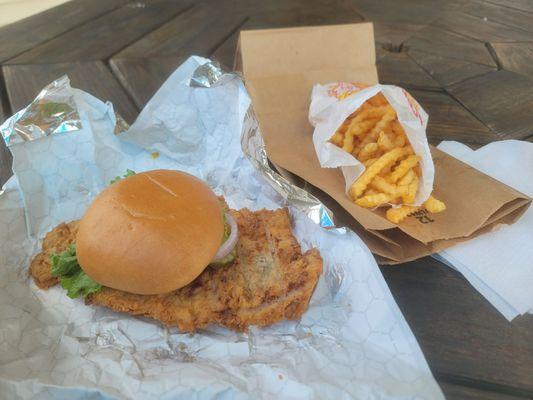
x=151 y=233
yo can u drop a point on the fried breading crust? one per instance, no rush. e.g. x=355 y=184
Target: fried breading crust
x=270 y=280
x=55 y=241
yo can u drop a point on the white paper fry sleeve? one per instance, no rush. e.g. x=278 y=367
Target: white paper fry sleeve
x=331 y=104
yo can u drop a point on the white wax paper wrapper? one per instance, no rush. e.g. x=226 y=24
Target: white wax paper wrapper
x=332 y=103
x=352 y=342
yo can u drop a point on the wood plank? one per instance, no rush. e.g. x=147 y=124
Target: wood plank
x=5 y=163
x=513 y=18
x=460 y=392
x=480 y=28
x=447 y=71
x=407 y=12
x=380 y=52
x=289 y=14
x=3 y=115
x=399 y=69
x=104 y=36
x=249 y=8
x=315 y=13
x=460 y=333
x=142 y=77
x=199 y=30
x=25 y=34
x=225 y=53
x=503 y=100
x=515 y=57
x=445 y=44
x=24 y=82
x=523 y=5
x=448 y=120
x=394 y=34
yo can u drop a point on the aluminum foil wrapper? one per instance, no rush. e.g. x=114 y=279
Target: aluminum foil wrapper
x=254 y=147
x=53 y=111
x=352 y=342
x=211 y=74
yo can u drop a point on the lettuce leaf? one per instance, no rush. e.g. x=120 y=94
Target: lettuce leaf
x=79 y=284
x=65 y=266
x=72 y=278
x=65 y=263
x=117 y=178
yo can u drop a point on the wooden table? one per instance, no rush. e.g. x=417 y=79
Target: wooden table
x=468 y=62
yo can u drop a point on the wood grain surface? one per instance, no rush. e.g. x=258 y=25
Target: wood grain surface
x=433 y=299
x=503 y=100
x=515 y=57
x=24 y=82
x=468 y=62
x=104 y=36
x=141 y=77
x=32 y=31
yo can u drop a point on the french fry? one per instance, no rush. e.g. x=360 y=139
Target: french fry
x=407 y=178
x=400 y=141
x=373 y=200
x=368 y=152
x=337 y=139
x=370 y=191
x=384 y=186
x=403 y=167
x=369 y=162
x=396 y=215
x=374 y=135
x=397 y=200
x=378 y=100
x=358 y=128
x=386 y=171
x=359 y=186
x=348 y=142
x=412 y=188
x=403 y=184
x=371 y=137
x=434 y=206
x=361 y=129
x=371 y=112
x=384 y=142
x=397 y=128
x=385 y=120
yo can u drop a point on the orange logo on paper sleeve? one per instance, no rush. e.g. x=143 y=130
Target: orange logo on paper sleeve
x=413 y=104
x=342 y=90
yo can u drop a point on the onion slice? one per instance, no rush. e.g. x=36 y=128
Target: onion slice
x=230 y=243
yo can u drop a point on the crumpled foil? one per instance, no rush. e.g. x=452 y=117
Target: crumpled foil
x=52 y=111
x=211 y=74
x=253 y=147
x=352 y=342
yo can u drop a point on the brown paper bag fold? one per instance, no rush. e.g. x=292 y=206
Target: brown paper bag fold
x=280 y=67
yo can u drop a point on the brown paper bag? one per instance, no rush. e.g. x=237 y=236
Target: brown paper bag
x=280 y=67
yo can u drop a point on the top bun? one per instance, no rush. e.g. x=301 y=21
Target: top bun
x=150 y=233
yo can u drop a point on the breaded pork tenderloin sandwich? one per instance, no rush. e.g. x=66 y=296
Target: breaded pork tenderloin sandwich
x=162 y=244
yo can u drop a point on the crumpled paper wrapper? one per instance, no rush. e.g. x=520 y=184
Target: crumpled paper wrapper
x=331 y=104
x=353 y=341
